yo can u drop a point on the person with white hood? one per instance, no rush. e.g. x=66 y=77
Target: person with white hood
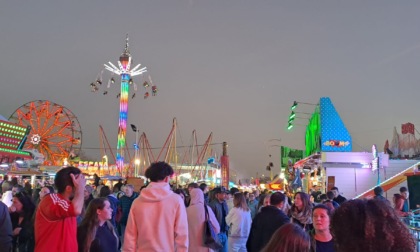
x=239 y=221
x=196 y=217
x=157 y=220
x=7 y=196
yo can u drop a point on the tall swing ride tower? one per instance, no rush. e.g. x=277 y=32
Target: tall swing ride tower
x=126 y=72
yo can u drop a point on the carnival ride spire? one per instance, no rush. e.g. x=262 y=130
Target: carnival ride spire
x=126 y=51
x=126 y=73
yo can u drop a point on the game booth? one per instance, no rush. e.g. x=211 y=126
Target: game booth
x=329 y=160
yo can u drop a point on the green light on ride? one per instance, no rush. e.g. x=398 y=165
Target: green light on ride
x=292 y=115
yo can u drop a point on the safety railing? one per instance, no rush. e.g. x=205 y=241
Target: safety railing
x=413 y=224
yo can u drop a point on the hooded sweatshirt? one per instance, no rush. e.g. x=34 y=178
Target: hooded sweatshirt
x=196 y=217
x=157 y=221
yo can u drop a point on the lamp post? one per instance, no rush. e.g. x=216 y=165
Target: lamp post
x=136 y=149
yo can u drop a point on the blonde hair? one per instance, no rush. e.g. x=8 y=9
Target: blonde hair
x=240 y=202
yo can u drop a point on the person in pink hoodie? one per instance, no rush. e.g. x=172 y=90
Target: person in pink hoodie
x=196 y=216
x=157 y=220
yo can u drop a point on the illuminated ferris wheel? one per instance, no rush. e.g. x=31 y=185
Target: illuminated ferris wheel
x=55 y=130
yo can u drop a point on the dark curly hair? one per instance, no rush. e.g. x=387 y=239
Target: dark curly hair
x=369 y=226
x=158 y=171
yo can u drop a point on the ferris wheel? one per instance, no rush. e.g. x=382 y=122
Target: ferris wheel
x=55 y=130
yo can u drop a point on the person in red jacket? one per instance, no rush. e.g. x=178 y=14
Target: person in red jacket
x=55 y=220
x=401 y=202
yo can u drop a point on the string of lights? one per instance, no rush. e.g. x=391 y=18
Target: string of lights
x=153 y=148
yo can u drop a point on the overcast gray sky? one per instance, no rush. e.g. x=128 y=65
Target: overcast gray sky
x=228 y=67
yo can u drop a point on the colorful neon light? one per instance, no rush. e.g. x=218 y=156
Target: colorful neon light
x=15 y=152
x=11 y=135
x=336 y=143
x=124 y=71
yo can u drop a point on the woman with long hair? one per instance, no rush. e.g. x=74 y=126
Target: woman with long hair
x=370 y=226
x=321 y=238
x=264 y=201
x=301 y=211
x=106 y=193
x=288 y=238
x=22 y=210
x=239 y=221
x=96 y=233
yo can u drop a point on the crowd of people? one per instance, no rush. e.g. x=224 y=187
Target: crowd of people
x=73 y=216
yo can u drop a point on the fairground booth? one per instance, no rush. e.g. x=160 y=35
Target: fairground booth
x=329 y=160
x=12 y=139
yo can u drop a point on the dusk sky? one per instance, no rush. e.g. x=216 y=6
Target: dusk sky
x=233 y=68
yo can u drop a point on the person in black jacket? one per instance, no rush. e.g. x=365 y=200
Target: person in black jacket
x=21 y=213
x=266 y=223
x=337 y=197
x=6 y=235
x=220 y=210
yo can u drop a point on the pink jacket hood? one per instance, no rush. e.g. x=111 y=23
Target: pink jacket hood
x=157 y=222
x=197 y=196
x=156 y=191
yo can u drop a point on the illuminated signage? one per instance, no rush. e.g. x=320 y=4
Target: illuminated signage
x=12 y=135
x=333 y=136
x=35 y=139
x=336 y=143
x=375 y=160
x=275 y=186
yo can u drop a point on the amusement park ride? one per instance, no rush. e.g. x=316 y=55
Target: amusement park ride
x=190 y=162
x=12 y=138
x=44 y=133
x=126 y=72
x=144 y=154
x=52 y=133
